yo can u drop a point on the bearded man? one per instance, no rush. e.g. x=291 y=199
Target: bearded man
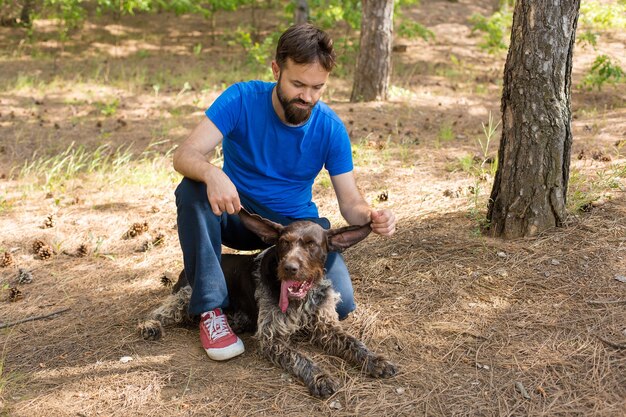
x=276 y=138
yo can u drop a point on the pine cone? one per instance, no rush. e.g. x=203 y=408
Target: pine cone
x=49 y=222
x=15 y=294
x=45 y=253
x=82 y=251
x=24 y=277
x=38 y=244
x=384 y=196
x=7 y=260
x=136 y=229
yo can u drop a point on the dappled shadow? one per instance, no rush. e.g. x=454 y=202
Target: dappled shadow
x=465 y=316
x=462 y=314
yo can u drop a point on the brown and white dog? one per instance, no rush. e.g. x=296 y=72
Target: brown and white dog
x=283 y=292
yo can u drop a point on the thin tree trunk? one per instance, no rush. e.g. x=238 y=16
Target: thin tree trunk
x=529 y=191
x=301 y=13
x=27 y=11
x=373 y=68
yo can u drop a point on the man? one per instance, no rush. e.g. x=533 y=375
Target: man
x=276 y=137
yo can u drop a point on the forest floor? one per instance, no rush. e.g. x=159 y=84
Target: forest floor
x=478 y=326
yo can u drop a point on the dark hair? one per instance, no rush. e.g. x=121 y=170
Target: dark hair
x=305 y=44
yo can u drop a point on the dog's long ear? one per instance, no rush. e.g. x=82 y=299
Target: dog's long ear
x=265 y=229
x=344 y=237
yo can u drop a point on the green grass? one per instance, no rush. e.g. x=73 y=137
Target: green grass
x=584 y=190
x=106 y=164
x=482 y=169
x=108 y=108
x=5 y=204
x=323 y=180
x=445 y=134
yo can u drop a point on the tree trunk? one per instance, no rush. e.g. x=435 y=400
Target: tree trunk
x=27 y=11
x=529 y=191
x=373 y=68
x=301 y=13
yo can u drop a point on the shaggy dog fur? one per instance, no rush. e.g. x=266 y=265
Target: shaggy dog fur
x=288 y=296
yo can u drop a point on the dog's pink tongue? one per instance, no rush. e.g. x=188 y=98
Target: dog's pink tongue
x=283 y=302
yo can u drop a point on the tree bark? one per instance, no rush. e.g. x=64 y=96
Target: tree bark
x=373 y=68
x=27 y=11
x=529 y=191
x=301 y=13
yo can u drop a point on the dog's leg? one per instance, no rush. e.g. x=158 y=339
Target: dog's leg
x=319 y=383
x=240 y=322
x=336 y=341
x=172 y=311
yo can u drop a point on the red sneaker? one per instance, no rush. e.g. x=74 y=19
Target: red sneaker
x=218 y=339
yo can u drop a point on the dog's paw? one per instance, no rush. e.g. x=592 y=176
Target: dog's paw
x=323 y=386
x=379 y=367
x=150 y=330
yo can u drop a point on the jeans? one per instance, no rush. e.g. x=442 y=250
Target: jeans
x=202 y=233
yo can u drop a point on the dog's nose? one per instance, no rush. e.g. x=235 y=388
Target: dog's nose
x=290 y=267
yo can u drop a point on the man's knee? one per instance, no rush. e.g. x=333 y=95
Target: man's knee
x=346 y=306
x=189 y=193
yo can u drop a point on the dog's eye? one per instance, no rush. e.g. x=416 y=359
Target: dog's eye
x=310 y=243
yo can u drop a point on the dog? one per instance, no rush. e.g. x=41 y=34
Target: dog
x=283 y=294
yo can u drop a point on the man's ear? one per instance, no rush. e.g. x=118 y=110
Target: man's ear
x=275 y=70
x=344 y=237
x=265 y=229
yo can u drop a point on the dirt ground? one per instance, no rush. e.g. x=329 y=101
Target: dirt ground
x=478 y=326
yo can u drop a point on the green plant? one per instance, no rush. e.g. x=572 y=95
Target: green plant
x=495 y=28
x=445 y=134
x=258 y=54
x=323 y=180
x=5 y=205
x=603 y=71
x=108 y=108
x=24 y=81
x=186 y=88
x=489 y=131
x=142 y=53
x=482 y=167
x=59 y=171
x=588 y=37
x=413 y=30
x=597 y=15
x=328 y=13
x=69 y=12
x=585 y=191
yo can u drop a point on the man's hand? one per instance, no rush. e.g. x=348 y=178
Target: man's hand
x=190 y=159
x=221 y=193
x=383 y=222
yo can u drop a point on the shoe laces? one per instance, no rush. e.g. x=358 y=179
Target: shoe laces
x=217 y=325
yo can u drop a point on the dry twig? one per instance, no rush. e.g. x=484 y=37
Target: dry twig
x=45 y=316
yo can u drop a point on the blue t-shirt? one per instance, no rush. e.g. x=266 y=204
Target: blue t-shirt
x=270 y=161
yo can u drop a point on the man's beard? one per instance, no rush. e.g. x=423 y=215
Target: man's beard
x=294 y=115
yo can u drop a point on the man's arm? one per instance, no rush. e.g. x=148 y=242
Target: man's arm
x=190 y=159
x=355 y=209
